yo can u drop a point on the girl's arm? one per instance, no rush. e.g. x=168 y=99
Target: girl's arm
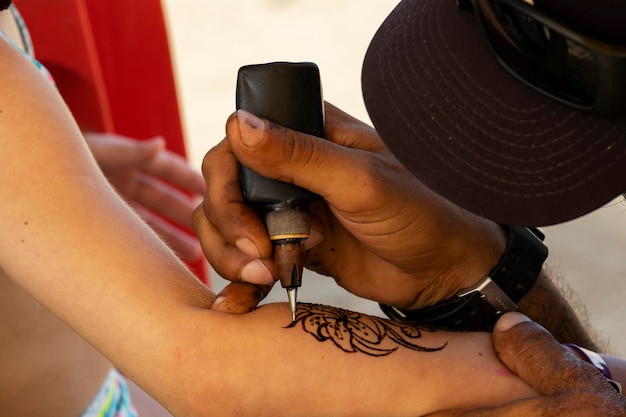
x=76 y=247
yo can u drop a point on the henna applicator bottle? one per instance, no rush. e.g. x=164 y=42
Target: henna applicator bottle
x=290 y=95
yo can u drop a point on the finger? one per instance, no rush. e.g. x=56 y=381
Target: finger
x=164 y=199
x=532 y=353
x=224 y=205
x=286 y=155
x=240 y=298
x=113 y=151
x=317 y=233
x=231 y=261
x=175 y=169
x=348 y=131
x=185 y=246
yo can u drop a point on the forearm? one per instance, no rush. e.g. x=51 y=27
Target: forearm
x=335 y=362
x=549 y=302
x=553 y=305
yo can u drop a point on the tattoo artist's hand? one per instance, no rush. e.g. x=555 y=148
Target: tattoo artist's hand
x=148 y=175
x=567 y=385
x=379 y=232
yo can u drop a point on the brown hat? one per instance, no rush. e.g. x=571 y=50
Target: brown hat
x=477 y=135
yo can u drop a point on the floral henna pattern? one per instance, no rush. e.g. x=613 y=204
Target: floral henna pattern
x=356 y=332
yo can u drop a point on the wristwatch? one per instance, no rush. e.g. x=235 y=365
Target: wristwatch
x=477 y=308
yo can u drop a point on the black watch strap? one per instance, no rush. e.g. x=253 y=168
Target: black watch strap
x=477 y=308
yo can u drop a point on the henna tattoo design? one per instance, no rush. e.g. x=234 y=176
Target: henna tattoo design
x=355 y=332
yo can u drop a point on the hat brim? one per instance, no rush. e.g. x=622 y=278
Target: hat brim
x=476 y=135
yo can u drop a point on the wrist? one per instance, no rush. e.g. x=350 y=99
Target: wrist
x=467 y=258
x=551 y=303
x=481 y=252
x=477 y=308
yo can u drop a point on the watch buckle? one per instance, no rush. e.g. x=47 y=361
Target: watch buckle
x=493 y=294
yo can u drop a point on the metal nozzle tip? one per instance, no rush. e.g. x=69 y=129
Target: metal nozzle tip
x=292 y=294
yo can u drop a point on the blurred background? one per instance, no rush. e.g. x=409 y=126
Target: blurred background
x=211 y=40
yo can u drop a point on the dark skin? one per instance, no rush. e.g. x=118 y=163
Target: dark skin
x=356 y=232
x=383 y=235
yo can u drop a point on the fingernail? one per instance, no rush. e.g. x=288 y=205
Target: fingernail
x=251 y=128
x=219 y=300
x=246 y=246
x=151 y=147
x=160 y=139
x=256 y=273
x=157 y=141
x=313 y=240
x=510 y=320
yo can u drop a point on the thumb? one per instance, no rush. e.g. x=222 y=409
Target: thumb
x=279 y=153
x=532 y=353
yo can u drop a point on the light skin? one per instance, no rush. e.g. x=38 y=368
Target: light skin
x=158 y=184
x=150 y=178
x=71 y=246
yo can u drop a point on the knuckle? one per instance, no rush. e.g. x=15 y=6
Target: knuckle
x=217 y=157
x=299 y=153
x=529 y=346
x=296 y=151
x=197 y=216
x=231 y=190
x=207 y=160
x=374 y=176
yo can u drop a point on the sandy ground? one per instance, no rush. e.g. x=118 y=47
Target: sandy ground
x=212 y=39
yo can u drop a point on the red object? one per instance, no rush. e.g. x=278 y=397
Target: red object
x=111 y=62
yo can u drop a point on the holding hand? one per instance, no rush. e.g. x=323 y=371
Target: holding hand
x=147 y=175
x=568 y=385
x=379 y=232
